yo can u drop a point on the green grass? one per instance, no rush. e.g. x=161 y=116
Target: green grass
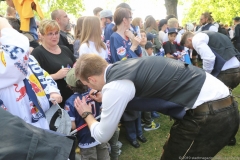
x=152 y=150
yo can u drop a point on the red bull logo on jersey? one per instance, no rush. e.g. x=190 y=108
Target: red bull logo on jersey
x=36 y=86
x=121 y=51
x=21 y=91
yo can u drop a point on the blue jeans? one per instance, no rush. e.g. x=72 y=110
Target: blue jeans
x=133 y=128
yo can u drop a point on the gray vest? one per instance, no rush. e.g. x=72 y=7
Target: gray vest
x=223 y=49
x=221 y=44
x=159 y=77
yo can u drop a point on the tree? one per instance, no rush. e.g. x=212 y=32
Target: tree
x=222 y=10
x=171 y=7
x=73 y=7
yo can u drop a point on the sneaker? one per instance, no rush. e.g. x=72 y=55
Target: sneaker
x=154 y=114
x=153 y=126
x=119 y=144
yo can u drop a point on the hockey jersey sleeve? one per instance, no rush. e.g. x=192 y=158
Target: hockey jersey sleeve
x=120 y=49
x=14 y=53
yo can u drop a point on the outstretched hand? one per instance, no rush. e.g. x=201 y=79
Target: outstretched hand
x=82 y=106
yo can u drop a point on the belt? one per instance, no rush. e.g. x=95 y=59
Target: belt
x=214 y=105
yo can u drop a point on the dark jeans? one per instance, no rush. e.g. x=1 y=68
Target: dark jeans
x=133 y=129
x=201 y=135
x=230 y=77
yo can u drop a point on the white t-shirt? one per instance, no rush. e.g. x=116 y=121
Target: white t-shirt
x=85 y=48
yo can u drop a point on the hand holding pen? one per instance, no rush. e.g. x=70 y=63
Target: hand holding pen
x=95 y=95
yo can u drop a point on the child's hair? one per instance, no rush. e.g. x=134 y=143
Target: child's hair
x=172 y=33
x=91 y=29
x=78 y=28
x=80 y=88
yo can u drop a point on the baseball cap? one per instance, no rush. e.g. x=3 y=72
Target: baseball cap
x=236 y=18
x=149 y=45
x=71 y=78
x=151 y=36
x=172 y=30
x=106 y=13
x=162 y=22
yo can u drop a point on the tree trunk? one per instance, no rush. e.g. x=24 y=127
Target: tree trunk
x=171 y=7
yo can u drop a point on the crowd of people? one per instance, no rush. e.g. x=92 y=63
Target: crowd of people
x=126 y=71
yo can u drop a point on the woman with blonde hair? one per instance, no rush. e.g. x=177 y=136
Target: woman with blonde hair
x=91 y=41
x=54 y=58
x=77 y=36
x=137 y=22
x=152 y=27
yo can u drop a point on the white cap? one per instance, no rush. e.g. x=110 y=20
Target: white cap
x=189 y=27
x=106 y=13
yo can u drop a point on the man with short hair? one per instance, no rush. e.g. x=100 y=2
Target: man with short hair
x=212 y=114
x=218 y=55
x=96 y=11
x=107 y=25
x=63 y=21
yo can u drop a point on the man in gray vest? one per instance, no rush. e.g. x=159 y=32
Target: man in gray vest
x=218 y=55
x=211 y=117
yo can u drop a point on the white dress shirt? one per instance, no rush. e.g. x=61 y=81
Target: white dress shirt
x=117 y=94
x=200 y=44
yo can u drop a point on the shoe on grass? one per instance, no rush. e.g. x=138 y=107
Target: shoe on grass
x=153 y=126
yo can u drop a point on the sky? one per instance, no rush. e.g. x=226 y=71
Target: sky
x=141 y=8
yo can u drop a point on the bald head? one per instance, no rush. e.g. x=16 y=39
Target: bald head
x=62 y=19
x=11 y=12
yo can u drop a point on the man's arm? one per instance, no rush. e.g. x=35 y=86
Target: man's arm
x=213 y=28
x=200 y=41
x=116 y=96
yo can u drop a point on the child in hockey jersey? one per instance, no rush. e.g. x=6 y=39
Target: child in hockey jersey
x=90 y=148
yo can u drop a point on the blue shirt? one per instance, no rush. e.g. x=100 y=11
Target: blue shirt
x=120 y=48
x=84 y=135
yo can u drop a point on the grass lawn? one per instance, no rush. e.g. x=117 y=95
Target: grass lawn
x=153 y=148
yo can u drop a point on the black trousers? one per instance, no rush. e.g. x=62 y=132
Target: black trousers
x=198 y=136
x=230 y=77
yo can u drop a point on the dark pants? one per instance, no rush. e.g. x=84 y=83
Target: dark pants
x=146 y=116
x=230 y=77
x=201 y=135
x=237 y=46
x=133 y=129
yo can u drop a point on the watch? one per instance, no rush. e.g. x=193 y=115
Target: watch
x=85 y=114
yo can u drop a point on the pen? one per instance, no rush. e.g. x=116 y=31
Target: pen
x=94 y=93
